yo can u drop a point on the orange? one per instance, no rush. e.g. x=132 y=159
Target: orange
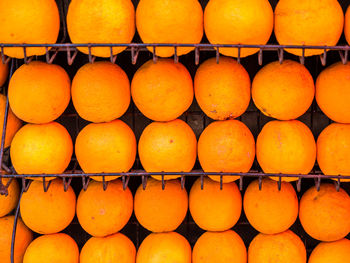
x=285 y=247
x=325 y=214
x=41 y=149
x=4 y=72
x=106 y=148
x=22 y=239
x=219 y=247
x=333 y=92
x=308 y=22
x=269 y=210
x=48 y=212
x=109 y=21
x=152 y=209
x=333 y=150
x=100 y=91
x=167 y=247
x=286 y=147
x=13 y=123
x=113 y=248
x=168 y=147
x=335 y=252
x=162 y=91
x=347 y=25
x=229 y=21
x=222 y=90
x=39 y=92
x=212 y=208
x=55 y=248
x=176 y=21
x=29 y=22
x=226 y=146
x=9 y=202
x=283 y=91
x=104 y=212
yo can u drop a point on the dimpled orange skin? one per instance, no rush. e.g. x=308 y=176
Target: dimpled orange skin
x=39 y=92
x=152 y=209
x=162 y=91
x=285 y=247
x=222 y=90
x=333 y=150
x=41 y=149
x=347 y=25
x=102 y=213
x=9 y=202
x=286 y=147
x=212 y=208
x=106 y=148
x=226 y=146
x=219 y=247
x=283 y=91
x=335 y=252
x=109 y=21
x=55 y=248
x=30 y=22
x=113 y=248
x=175 y=21
x=13 y=123
x=168 y=147
x=228 y=21
x=333 y=92
x=23 y=237
x=325 y=215
x=269 y=210
x=166 y=247
x=308 y=22
x=101 y=91
x=48 y=212
x=4 y=72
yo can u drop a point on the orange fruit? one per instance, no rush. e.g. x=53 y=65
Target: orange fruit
x=104 y=212
x=212 y=208
x=168 y=147
x=167 y=247
x=113 y=248
x=29 y=22
x=333 y=150
x=335 y=252
x=9 y=202
x=152 y=209
x=308 y=22
x=39 y=92
x=219 y=247
x=286 y=147
x=109 y=21
x=269 y=210
x=333 y=92
x=41 y=149
x=13 y=123
x=285 y=247
x=228 y=21
x=106 y=148
x=222 y=90
x=48 y=212
x=226 y=146
x=22 y=239
x=176 y=21
x=162 y=91
x=55 y=248
x=283 y=91
x=347 y=25
x=4 y=72
x=100 y=91
x=325 y=214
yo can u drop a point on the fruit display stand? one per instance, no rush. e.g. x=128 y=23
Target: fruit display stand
x=136 y=54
